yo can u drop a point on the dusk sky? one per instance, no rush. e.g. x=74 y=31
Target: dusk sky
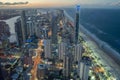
x=52 y=3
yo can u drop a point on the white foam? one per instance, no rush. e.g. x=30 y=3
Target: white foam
x=100 y=43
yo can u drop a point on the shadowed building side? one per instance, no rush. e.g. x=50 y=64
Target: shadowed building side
x=78 y=51
x=18 y=31
x=47 y=48
x=61 y=50
x=24 y=26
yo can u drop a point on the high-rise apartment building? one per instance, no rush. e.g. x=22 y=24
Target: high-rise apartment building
x=47 y=48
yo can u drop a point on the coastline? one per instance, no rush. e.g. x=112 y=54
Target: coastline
x=102 y=45
x=102 y=49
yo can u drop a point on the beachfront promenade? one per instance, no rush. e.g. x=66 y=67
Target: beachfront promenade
x=107 y=58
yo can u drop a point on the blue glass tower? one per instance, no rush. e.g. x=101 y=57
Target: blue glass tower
x=77 y=24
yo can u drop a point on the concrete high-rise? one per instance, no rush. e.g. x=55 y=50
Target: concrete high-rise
x=83 y=69
x=47 y=48
x=30 y=28
x=61 y=50
x=45 y=32
x=67 y=63
x=77 y=24
x=78 y=51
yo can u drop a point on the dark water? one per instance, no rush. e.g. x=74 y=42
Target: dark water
x=104 y=23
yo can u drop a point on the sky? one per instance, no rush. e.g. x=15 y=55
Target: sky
x=54 y=3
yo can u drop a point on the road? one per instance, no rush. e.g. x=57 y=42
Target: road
x=37 y=60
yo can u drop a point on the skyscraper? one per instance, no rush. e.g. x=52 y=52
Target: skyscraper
x=67 y=62
x=18 y=31
x=83 y=69
x=54 y=28
x=30 y=28
x=45 y=32
x=61 y=50
x=77 y=25
x=24 y=26
x=47 y=48
x=78 y=51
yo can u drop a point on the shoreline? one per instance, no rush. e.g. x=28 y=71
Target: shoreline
x=102 y=49
x=101 y=44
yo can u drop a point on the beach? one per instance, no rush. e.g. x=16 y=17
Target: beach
x=108 y=56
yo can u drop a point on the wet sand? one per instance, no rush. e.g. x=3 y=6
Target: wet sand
x=107 y=60
x=109 y=57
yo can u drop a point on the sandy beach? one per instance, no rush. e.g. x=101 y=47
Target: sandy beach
x=105 y=59
x=111 y=59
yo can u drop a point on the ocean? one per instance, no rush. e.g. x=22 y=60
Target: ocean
x=104 y=23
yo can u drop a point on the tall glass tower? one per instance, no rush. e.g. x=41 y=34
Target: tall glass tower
x=77 y=24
